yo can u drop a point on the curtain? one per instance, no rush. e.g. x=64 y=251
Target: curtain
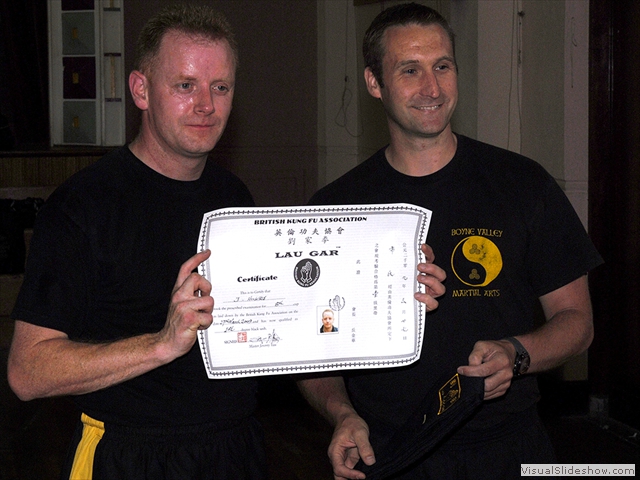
x=24 y=73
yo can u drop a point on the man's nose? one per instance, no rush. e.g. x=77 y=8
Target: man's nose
x=204 y=103
x=430 y=86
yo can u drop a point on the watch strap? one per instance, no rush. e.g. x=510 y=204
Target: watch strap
x=521 y=355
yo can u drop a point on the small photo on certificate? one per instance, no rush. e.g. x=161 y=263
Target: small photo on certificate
x=328 y=320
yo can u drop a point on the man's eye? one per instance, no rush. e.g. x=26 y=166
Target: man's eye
x=185 y=86
x=411 y=71
x=221 y=88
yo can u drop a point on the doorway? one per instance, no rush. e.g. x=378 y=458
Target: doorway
x=614 y=205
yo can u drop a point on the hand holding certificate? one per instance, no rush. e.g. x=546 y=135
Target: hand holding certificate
x=309 y=289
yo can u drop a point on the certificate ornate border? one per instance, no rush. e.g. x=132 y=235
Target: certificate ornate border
x=424 y=216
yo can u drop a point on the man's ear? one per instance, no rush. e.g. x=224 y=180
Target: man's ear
x=138 y=84
x=372 y=83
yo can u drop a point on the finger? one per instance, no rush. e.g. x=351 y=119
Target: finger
x=494 y=385
x=201 y=286
x=195 y=287
x=204 y=305
x=366 y=451
x=473 y=371
x=348 y=477
x=479 y=368
x=497 y=385
x=341 y=472
x=480 y=353
x=428 y=253
x=187 y=304
x=343 y=459
x=189 y=266
x=194 y=295
x=206 y=319
x=429 y=302
x=433 y=270
x=486 y=361
x=433 y=286
x=199 y=321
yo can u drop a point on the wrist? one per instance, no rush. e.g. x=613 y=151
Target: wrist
x=161 y=350
x=522 y=360
x=342 y=412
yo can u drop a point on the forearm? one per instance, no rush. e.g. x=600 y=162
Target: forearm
x=59 y=366
x=568 y=330
x=328 y=396
x=566 y=335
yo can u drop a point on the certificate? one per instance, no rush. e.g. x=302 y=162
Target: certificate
x=312 y=289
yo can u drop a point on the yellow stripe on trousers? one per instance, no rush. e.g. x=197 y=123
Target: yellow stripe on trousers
x=92 y=432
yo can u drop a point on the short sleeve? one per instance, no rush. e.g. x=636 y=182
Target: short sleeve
x=57 y=285
x=560 y=249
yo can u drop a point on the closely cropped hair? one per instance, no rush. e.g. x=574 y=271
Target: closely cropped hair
x=193 y=20
x=373 y=47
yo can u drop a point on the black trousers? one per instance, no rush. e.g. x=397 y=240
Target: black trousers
x=227 y=450
x=497 y=456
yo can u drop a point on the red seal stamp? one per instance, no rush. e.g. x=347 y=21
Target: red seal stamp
x=242 y=337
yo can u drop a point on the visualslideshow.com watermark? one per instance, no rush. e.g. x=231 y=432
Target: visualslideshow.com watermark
x=578 y=470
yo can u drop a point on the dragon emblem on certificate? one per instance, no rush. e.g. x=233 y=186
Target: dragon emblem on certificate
x=312 y=289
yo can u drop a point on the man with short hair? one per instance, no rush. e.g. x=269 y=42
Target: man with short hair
x=101 y=315
x=507 y=238
x=327 y=322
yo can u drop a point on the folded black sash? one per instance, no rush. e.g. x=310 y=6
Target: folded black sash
x=440 y=412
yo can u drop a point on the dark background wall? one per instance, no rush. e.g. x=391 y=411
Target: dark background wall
x=614 y=206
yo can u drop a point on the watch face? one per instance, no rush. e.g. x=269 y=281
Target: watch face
x=524 y=366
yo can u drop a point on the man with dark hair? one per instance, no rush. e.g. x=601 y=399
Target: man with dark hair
x=373 y=44
x=509 y=242
x=101 y=315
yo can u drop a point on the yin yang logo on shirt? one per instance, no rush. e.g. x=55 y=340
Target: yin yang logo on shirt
x=476 y=261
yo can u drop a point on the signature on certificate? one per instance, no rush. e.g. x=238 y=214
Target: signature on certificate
x=271 y=339
x=250 y=298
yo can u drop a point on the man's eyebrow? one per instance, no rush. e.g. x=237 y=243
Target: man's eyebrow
x=404 y=63
x=447 y=58
x=185 y=78
x=411 y=61
x=191 y=79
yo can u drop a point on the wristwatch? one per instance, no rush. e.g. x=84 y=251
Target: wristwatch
x=522 y=361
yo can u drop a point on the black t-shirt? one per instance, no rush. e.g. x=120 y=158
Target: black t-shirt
x=103 y=261
x=505 y=233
